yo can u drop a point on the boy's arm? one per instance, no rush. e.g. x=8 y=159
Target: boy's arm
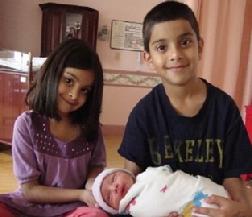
x=248 y=190
x=237 y=206
x=235 y=188
x=237 y=191
x=132 y=166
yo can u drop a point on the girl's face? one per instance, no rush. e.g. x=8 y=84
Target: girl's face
x=73 y=89
x=115 y=186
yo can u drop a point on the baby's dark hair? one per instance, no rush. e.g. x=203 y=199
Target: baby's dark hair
x=42 y=95
x=168 y=11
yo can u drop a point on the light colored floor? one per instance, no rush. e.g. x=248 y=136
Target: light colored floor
x=8 y=181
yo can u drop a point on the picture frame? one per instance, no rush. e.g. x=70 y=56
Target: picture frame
x=126 y=35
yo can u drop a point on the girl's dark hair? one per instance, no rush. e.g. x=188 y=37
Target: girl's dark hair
x=42 y=95
x=167 y=11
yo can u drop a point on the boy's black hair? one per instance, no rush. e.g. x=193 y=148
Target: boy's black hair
x=168 y=11
x=42 y=96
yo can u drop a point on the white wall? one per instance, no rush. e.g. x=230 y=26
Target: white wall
x=118 y=103
x=20 y=25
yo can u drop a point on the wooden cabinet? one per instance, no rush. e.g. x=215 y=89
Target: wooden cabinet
x=13 y=89
x=62 y=21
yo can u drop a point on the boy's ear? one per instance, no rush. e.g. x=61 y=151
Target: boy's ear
x=148 y=59
x=200 y=47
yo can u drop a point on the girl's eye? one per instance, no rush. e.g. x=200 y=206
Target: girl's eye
x=186 y=42
x=85 y=91
x=161 y=48
x=68 y=81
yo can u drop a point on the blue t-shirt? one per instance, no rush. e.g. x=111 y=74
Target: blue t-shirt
x=214 y=143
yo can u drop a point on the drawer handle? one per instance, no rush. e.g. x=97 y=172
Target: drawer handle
x=23 y=79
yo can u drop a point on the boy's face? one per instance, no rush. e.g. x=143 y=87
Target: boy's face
x=115 y=186
x=174 y=51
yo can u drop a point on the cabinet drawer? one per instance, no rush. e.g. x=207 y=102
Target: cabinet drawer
x=13 y=90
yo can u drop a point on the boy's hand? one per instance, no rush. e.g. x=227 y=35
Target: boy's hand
x=88 y=198
x=174 y=214
x=248 y=192
x=226 y=207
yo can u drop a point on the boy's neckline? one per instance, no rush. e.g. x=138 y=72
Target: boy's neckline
x=191 y=109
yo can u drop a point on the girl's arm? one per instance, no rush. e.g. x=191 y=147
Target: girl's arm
x=93 y=172
x=34 y=192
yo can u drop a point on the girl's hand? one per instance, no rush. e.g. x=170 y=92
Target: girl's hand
x=89 y=183
x=88 y=198
x=226 y=207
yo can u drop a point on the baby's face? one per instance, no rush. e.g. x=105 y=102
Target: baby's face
x=114 y=187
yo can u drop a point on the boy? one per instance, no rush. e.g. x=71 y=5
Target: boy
x=155 y=192
x=186 y=122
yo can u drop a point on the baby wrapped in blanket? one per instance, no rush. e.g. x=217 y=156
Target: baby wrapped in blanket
x=154 y=193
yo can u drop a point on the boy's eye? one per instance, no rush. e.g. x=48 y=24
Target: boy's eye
x=186 y=42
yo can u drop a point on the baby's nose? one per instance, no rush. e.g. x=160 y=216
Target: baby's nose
x=115 y=187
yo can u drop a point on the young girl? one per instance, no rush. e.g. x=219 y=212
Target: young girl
x=58 y=144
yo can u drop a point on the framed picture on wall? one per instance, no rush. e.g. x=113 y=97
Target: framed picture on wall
x=126 y=35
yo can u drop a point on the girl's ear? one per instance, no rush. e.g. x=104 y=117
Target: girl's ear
x=200 y=47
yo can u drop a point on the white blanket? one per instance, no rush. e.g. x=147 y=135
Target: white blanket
x=159 y=191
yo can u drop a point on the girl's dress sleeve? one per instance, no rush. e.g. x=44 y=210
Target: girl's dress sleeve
x=24 y=158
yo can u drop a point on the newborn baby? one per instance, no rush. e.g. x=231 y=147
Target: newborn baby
x=154 y=193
